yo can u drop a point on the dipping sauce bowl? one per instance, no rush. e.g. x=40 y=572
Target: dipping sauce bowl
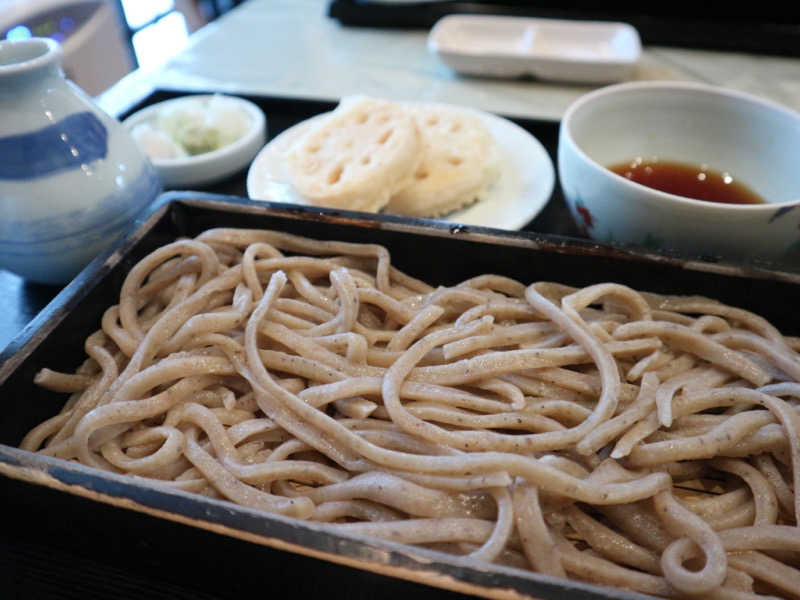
x=743 y=138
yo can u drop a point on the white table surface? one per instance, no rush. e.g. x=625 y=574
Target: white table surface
x=291 y=48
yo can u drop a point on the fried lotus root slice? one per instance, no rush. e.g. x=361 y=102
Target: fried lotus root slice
x=357 y=157
x=459 y=163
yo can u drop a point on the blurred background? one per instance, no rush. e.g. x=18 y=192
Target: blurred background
x=103 y=40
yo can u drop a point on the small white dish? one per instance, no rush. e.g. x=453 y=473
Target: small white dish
x=521 y=191
x=551 y=49
x=208 y=167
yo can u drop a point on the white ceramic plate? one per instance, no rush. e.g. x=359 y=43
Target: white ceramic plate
x=521 y=191
x=209 y=167
x=552 y=49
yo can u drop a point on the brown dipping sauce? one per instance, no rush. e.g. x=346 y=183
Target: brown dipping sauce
x=691 y=181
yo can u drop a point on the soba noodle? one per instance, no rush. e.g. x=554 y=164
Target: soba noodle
x=603 y=434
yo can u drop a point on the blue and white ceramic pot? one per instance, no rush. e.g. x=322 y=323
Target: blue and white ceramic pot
x=71 y=178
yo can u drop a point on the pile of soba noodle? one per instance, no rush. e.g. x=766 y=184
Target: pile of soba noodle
x=601 y=434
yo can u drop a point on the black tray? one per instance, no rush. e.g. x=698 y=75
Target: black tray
x=698 y=25
x=283 y=113
x=67 y=527
x=21 y=301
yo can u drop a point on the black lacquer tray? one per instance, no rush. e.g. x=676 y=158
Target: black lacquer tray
x=738 y=28
x=283 y=113
x=22 y=301
x=102 y=532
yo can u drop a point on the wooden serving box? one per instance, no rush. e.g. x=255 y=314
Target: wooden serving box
x=87 y=524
